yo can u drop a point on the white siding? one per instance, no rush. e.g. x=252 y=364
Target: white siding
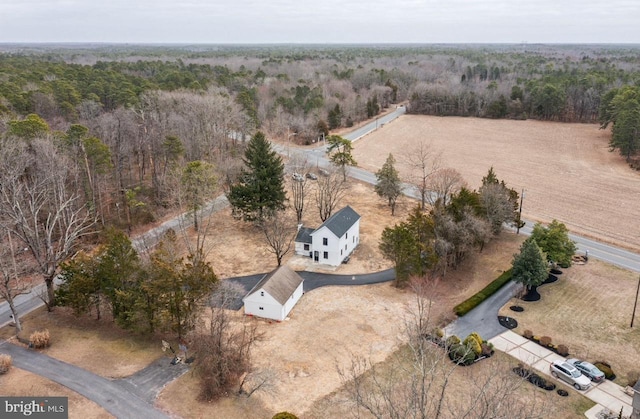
x=291 y=302
x=299 y=249
x=337 y=248
x=271 y=309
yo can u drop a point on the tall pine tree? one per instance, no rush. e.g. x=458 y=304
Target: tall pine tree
x=260 y=190
x=530 y=265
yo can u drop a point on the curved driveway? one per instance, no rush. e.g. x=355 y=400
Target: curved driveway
x=118 y=400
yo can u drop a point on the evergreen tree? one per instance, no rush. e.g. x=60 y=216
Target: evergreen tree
x=389 y=185
x=261 y=187
x=340 y=153
x=529 y=266
x=555 y=242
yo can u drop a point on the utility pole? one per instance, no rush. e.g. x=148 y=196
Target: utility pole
x=520 y=213
x=635 y=304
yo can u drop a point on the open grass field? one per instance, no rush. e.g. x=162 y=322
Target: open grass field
x=566 y=170
x=588 y=309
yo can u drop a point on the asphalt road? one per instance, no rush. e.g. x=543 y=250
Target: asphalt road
x=118 y=400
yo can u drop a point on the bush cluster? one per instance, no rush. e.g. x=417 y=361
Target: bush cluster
x=284 y=415
x=472 y=302
x=5 y=363
x=546 y=341
x=605 y=367
x=472 y=349
x=40 y=339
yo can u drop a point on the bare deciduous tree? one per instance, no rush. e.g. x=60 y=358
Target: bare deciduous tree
x=223 y=350
x=442 y=184
x=38 y=206
x=11 y=283
x=423 y=161
x=279 y=230
x=330 y=190
x=299 y=186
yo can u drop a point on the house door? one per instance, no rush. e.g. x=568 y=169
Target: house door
x=316 y=256
x=310 y=254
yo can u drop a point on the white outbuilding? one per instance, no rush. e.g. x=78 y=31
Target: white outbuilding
x=274 y=295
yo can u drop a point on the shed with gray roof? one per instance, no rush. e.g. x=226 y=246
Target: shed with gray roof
x=274 y=295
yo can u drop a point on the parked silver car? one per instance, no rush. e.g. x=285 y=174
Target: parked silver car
x=570 y=374
x=587 y=369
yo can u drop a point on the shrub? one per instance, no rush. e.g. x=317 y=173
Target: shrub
x=487 y=349
x=632 y=378
x=545 y=341
x=606 y=369
x=471 y=303
x=438 y=332
x=461 y=354
x=472 y=343
x=527 y=334
x=40 y=339
x=453 y=340
x=5 y=363
x=562 y=350
x=284 y=415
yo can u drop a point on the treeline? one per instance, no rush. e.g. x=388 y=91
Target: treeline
x=459 y=221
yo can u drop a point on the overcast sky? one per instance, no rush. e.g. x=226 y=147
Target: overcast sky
x=320 y=21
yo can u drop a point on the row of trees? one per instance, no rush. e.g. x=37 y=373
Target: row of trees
x=459 y=221
x=159 y=293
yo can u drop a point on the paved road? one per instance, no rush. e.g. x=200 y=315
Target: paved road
x=119 y=400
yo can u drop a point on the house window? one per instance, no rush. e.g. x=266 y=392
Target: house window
x=354 y=239
x=261 y=308
x=345 y=247
x=325 y=241
x=340 y=252
x=346 y=235
x=326 y=255
x=306 y=247
x=261 y=293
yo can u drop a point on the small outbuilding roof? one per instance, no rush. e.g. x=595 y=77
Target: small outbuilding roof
x=280 y=284
x=340 y=222
x=304 y=235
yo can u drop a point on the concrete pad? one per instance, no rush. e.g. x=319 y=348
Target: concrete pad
x=502 y=344
x=542 y=365
x=608 y=401
x=514 y=338
x=536 y=349
x=616 y=391
x=524 y=355
x=593 y=412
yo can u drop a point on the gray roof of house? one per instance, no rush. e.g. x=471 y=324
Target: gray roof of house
x=280 y=284
x=637 y=387
x=340 y=222
x=304 y=235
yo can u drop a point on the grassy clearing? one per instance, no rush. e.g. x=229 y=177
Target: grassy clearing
x=588 y=309
x=97 y=346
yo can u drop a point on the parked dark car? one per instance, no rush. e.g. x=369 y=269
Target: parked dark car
x=587 y=369
x=311 y=176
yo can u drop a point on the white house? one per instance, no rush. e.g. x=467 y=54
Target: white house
x=274 y=295
x=333 y=241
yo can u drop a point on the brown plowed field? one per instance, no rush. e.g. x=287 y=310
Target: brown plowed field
x=567 y=170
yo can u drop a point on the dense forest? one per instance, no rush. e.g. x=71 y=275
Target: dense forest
x=129 y=117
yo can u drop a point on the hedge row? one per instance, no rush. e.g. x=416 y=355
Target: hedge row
x=469 y=304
